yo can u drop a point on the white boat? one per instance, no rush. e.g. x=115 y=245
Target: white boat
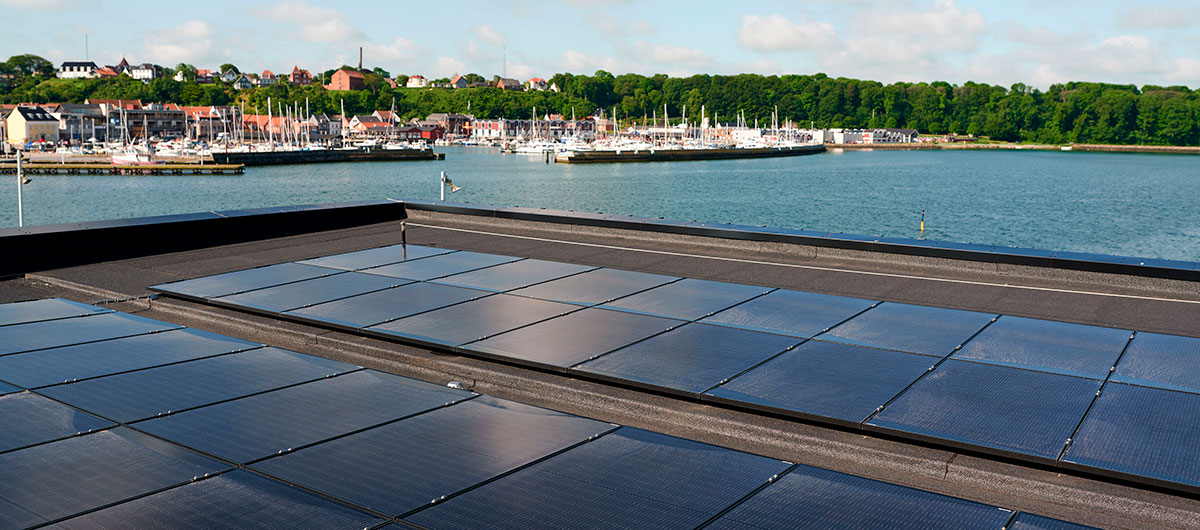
x=134 y=158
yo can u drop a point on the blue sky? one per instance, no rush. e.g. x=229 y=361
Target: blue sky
x=1000 y=42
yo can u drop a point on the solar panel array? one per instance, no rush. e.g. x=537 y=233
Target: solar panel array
x=174 y=427
x=1058 y=393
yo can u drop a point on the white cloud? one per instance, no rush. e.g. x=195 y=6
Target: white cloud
x=489 y=35
x=317 y=24
x=1043 y=36
x=774 y=33
x=676 y=56
x=943 y=25
x=449 y=67
x=609 y=25
x=1156 y=17
x=189 y=42
x=577 y=62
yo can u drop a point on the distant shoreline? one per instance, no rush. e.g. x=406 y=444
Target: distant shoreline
x=1094 y=148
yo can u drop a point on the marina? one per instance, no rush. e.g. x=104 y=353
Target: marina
x=42 y=168
x=673 y=155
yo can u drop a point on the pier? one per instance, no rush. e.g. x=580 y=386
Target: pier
x=43 y=168
x=271 y=158
x=675 y=155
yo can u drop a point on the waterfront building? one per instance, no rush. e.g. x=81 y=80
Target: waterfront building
x=416 y=81
x=458 y=82
x=152 y=120
x=536 y=83
x=77 y=70
x=26 y=125
x=386 y=116
x=78 y=122
x=267 y=78
x=300 y=77
x=453 y=124
x=345 y=80
x=324 y=127
x=507 y=83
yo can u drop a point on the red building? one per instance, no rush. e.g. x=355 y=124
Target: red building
x=345 y=80
x=300 y=77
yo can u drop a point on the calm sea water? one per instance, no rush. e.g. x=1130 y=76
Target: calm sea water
x=1127 y=204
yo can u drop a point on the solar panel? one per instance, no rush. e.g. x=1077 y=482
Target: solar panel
x=911 y=328
x=627 y=479
x=261 y=425
x=1008 y=409
x=692 y=357
x=6 y=388
x=404 y=465
x=1163 y=361
x=688 y=299
x=380 y=306
x=513 y=275
x=311 y=292
x=1059 y=347
x=38 y=310
x=32 y=419
x=595 y=287
x=444 y=265
x=462 y=323
x=793 y=313
x=237 y=499
x=94 y=359
x=1141 y=431
x=810 y=497
x=50 y=481
x=571 y=339
x=65 y=332
x=1028 y=521
x=245 y=280
x=137 y=395
x=826 y=379
x=375 y=257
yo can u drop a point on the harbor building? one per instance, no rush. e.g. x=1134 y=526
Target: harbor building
x=27 y=125
x=78 y=122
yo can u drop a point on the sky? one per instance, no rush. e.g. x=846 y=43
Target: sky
x=1036 y=42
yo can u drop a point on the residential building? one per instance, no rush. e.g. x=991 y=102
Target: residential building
x=386 y=116
x=391 y=82
x=153 y=120
x=78 y=122
x=229 y=76
x=204 y=76
x=453 y=124
x=345 y=80
x=267 y=78
x=364 y=122
x=536 y=83
x=107 y=106
x=242 y=83
x=300 y=77
x=77 y=70
x=145 y=72
x=507 y=83
x=431 y=133
x=458 y=82
x=416 y=81
x=553 y=87
x=121 y=67
x=27 y=125
x=106 y=72
x=324 y=127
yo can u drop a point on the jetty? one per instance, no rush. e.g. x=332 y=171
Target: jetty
x=676 y=155
x=270 y=158
x=98 y=168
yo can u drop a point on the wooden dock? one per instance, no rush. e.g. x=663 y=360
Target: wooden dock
x=47 y=168
x=673 y=155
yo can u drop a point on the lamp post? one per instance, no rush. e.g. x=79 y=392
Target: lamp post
x=20 y=181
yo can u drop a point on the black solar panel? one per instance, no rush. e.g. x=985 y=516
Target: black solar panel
x=912 y=328
x=1141 y=431
x=6 y=388
x=380 y=306
x=1163 y=361
x=793 y=313
x=375 y=257
x=237 y=499
x=627 y=479
x=688 y=299
x=595 y=287
x=474 y=320
x=1059 y=347
x=137 y=395
x=94 y=359
x=692 y=357
x=404 y=465
x=1008 y=409
x=310 y=292
x=245 y=280
x=574 y=338
x=28 y=419
x=828 y=379
x=65 y=332
x=810 y=497
x=1028 y=521
x=513 y=275
x=60 y=479
x=258 y=426
x=38 y=310
x=444 y=265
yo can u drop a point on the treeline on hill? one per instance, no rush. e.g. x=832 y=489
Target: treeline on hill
x=1072 y=112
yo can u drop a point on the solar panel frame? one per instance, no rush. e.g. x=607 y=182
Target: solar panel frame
x=1029 y=521
x=157 y=391
x=372 y=309
x=473 y=320
x=218 y=285
x=30 y=419
x=258 y=426
x=829 y=381
x=796 y=313
x=690 y=358
x=514 y=275
x=596 y=286
x=919 y=329
x=21 y=338
x=47 y=309
x=97 y=359
x=441 y=265
x=1048 y=346
x=375 y=257
x=962 y=403
x=1161 y=361
x=6 y=388
x=687 y=299
x=310 y=292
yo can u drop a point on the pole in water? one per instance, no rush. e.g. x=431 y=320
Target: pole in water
x=442 y=183
x=20 y=178
x=922 y=222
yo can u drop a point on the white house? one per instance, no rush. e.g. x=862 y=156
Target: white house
x=77 y=70
x=416 y=81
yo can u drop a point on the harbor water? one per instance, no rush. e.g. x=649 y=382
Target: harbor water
x=1127 y=204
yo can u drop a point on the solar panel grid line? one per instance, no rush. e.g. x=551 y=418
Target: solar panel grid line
x=742 y=500
x=52 y=313
x=374 y=270
x=596 y=304
x=612 y=428
x=887 y=311
x=548 y=280
x=756 y=365
x=427 y=251
x=132 y=370
x=1074 y=433
x=101 y=425
x=306 y=272
x=638 y=341
x=485 y=337
x=397 y=283
x=134 y=498
x=159 y=327
x=927 y=372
